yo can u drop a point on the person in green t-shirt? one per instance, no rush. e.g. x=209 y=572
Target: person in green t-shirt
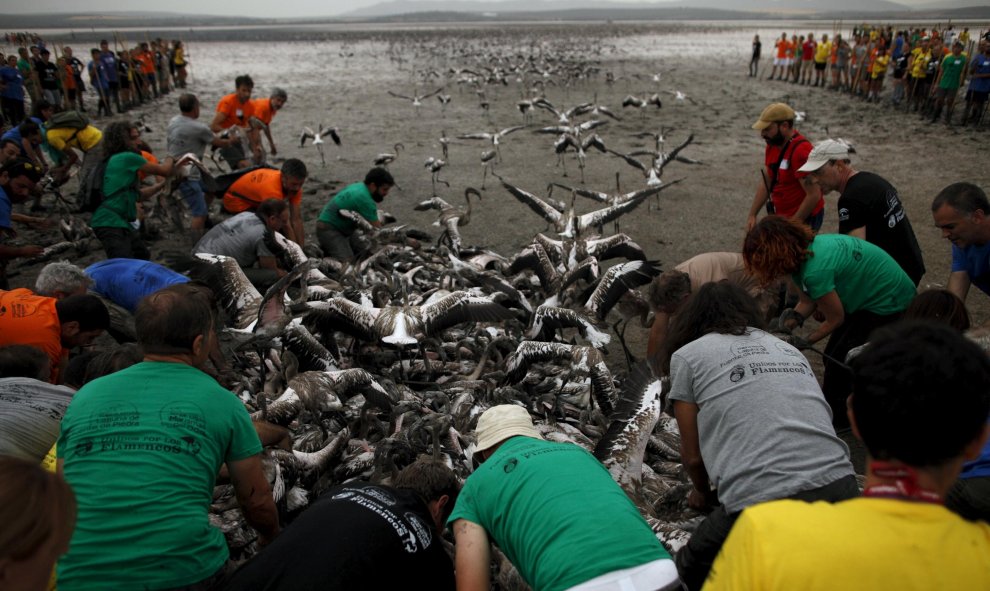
x=335 y=232
x=115 y=220
x=556 y=513
x=142 y=448
x=948 y=82
x=855 y=285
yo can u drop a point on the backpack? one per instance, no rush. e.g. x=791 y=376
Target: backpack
x=68 y=119
x=91 y=189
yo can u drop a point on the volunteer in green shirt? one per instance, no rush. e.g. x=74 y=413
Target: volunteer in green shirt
x=948 y=82
x=335 y=232
x=855 y=285
x=115 y=221
x=142 y=448
x=556 y=513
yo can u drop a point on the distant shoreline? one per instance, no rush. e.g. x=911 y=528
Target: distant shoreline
x=356 y=30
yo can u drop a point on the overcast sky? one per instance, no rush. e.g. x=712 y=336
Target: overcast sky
x=254 y=8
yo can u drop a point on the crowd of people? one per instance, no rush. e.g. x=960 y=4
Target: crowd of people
x=924 y=70
x=123 y=503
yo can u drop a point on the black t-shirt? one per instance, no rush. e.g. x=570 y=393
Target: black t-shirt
x=356 y=536
x=757 y=46
x=871 y=201
x=48 y=75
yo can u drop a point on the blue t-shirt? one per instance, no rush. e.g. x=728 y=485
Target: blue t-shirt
x=5 y=208
x=980 y=467
x=14 y=82
x=109 y=65
x=975 y=260
x=126 y=281
x=982 y=63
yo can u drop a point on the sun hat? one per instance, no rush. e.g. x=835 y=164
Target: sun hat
x=823 y=153
x=774 y=113
x=498 y=423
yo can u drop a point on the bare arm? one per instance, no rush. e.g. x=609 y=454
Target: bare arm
x=686 y=414
x=270 y=263
x=472 y=556
x=812 y=193
x=831 y=306
x=255 y=497
x=15 y=252
x=959 y=284
x=217 y=124
x=298 y=231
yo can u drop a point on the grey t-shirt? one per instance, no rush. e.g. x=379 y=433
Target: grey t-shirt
x=241 y=237
x=187 y=135
x=765 y=428
x=30 y=415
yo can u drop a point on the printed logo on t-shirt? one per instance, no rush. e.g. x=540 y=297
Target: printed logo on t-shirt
x=843 y=214
x=738 y=372
x=785 y=164
x=421 y=529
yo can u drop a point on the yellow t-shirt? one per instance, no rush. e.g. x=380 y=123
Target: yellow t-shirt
x=859 y=544
x=880 y=65
x=84 y=139
x=920 y=64
x=823 y=51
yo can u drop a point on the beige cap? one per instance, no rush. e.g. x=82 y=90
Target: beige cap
x=824 y=153
x=498 y=423
x=775 y=113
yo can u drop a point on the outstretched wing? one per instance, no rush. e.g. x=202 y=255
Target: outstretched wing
x=458 y=307
x=541 y=207
x=341 y=314
x=401 y=96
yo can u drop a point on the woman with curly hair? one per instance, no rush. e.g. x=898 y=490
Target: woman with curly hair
x=854 y=285
x=115 y=220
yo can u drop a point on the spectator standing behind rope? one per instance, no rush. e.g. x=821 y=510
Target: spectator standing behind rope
x=752 y=420
x=180 y=426
x=913 y=377
x=854 y=284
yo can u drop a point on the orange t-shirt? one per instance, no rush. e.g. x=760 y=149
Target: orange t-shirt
x=254 y=187
x=237 y=112
x=69 y=78
x=263 y=110
x=782 y=48
x=147 y=63
x=29 y=319
x=791 y=48
x=150 y=158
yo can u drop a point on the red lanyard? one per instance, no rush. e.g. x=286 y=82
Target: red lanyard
x=905 y=485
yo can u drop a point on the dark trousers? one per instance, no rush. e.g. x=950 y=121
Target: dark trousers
x=696 y=559
x=13 y=110
x=122 y=243
x=837 y=383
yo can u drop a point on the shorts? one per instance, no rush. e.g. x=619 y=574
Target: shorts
x=233 y=154
x=113 y=85
x=946 y=92
x=125 y=84
x=976 y=96
x=780 y=61
x=193 y=193
x=878 y=77
x=820 y=66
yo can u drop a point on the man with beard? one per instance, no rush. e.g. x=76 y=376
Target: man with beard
x=335 y=232
x=789 y=192
x=252 y=188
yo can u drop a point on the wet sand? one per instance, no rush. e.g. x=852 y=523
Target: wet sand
x=343 y=82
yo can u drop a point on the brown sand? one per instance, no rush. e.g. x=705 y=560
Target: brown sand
x=344 y=83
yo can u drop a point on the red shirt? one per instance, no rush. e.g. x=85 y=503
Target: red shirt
x=808 y=50
x=788 y=193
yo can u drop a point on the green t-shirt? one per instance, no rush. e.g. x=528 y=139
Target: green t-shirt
x=952 y=67
x=119 y=206
x=142 y=448
x=354 y=197
x=862 y=274
x=556 y=513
